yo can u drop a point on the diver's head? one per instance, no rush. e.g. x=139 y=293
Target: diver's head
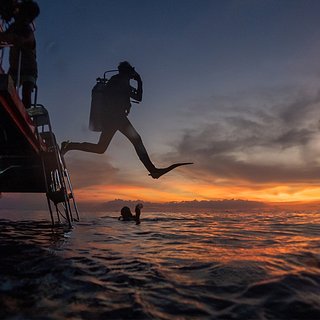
x=27 y=11
x=125 y=211
x=126 y=68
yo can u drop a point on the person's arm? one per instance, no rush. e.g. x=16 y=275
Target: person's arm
x=7 y=37
x=13 y=38
x=136 y=93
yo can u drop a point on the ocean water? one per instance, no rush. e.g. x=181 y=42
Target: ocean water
x=200 y=265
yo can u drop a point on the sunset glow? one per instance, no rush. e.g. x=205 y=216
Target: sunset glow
x=174 y=191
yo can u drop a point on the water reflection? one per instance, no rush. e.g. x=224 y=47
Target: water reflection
x=239 y=265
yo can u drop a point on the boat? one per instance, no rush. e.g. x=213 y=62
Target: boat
x=30 y=158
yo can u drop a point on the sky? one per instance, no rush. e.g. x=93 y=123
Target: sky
x=233 y=86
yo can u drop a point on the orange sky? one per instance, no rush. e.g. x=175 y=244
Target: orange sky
x=177 y=190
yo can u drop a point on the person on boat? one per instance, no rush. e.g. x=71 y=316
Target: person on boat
x=115 y=117
x=126 y=214
x=22 y=55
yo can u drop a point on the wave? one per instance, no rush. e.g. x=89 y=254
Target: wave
x=186 y=267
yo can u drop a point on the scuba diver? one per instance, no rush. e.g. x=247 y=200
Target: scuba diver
x=126 y=214
x=112 y=116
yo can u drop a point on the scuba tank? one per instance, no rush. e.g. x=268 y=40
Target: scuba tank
x=99 y=101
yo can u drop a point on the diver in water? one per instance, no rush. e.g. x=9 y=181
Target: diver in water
x=126 y=214
x=114 y=117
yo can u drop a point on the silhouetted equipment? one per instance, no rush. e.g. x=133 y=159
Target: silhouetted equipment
x=98 y=103
x=98 y=98
x=100 y=109
x=162 y=171
x=30 y=158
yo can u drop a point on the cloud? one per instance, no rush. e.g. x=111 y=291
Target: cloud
x=299 y=109
x=86 y=170
x=268 y=136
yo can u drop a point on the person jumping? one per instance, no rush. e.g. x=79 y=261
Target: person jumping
x=114 y=117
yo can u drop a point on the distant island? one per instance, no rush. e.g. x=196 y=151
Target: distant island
x=34 y=202
x=226 y=204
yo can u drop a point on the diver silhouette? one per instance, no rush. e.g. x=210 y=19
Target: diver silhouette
x=126 y=214
x=114 y=117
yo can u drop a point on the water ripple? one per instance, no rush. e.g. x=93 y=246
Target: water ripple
x=261 y=265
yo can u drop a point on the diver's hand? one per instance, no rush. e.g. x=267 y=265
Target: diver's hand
x=139 y=206
x=136 y=76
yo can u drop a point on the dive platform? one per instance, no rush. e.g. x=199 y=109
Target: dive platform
x=30 y=158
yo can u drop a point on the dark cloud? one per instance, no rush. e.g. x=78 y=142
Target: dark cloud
x=235 y=170
x=294 y=137
x=90 y=170
x=265 y=138
x=299 y=108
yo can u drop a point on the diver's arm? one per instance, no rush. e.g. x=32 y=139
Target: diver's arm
x=13 y=38
x=7 y=37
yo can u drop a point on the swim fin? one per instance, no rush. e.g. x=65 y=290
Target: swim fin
x=160 y=172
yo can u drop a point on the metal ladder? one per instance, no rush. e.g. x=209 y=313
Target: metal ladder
x=59 y=190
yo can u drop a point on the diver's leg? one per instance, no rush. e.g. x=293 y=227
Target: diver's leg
x=100 y=147
x=130 y=132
